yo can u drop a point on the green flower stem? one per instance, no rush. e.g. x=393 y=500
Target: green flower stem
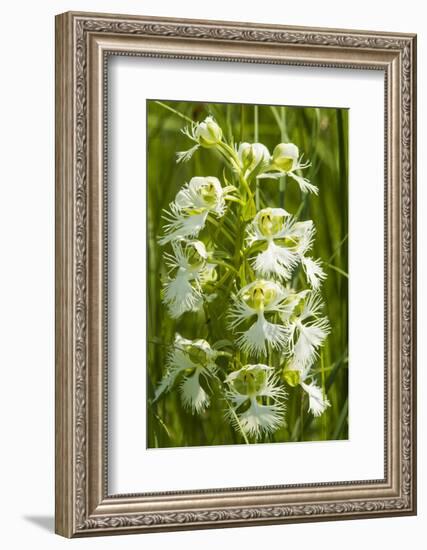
x=222 y=280
x=218 y=229
x=338 y=248
x=257 y=247
x=234 y=199
x=282 y=189
x=228 y=159
x=283 y=137
x=162 y=424
x=230 y=154
x=327 y=369
x=188 y=119
x=222 y=229
x=322 y=370
x=276 y=115
x=247 y=188
x=301 y=207
x=236 y=418
x=226 y=224
x=256 y=138
x=228 y=118
x=302 y=417
x=279 y=118
x=230 y=221
x=225 y=354
x=337 y=269
x=341 y=420
x=224 y=264
x=269 y=361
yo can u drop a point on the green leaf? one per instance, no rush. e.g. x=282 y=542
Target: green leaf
x=249 y=211
x=222 y=344
x=242 y=274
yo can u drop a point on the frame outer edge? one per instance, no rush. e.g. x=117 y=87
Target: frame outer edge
x=73 y=400
x=64 y=275
x=415 y=265
x=413 y=256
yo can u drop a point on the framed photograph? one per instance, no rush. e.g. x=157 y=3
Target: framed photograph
x=235 y=274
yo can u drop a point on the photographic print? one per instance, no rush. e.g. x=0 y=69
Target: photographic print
x=247 y=274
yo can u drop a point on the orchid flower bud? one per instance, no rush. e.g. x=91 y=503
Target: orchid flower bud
x=291 y=377
x=285 y=156
x=252 y=154
x=208 y=133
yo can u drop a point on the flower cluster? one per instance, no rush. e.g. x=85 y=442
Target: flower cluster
x=269 y=285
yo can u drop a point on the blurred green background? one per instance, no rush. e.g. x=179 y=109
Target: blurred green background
x=322 y=136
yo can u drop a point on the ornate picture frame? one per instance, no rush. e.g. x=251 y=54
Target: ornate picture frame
x=84 y=42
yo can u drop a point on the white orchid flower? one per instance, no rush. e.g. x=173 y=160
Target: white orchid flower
x=286 y=161
x=287 y=244
x=295 y=374
x=258 y=299
x=253 y=157
x=307 y=328
x=303 y=234
x=246 y=389
x=313 y=271
x=196 y=360
x=205 y=134
x=183 y=291
x=273 y=226
x=198 y=198
x=317 y=403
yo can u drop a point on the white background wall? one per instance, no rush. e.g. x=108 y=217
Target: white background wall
x=27 y=273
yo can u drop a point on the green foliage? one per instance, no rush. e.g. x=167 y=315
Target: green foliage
x=322 y=136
